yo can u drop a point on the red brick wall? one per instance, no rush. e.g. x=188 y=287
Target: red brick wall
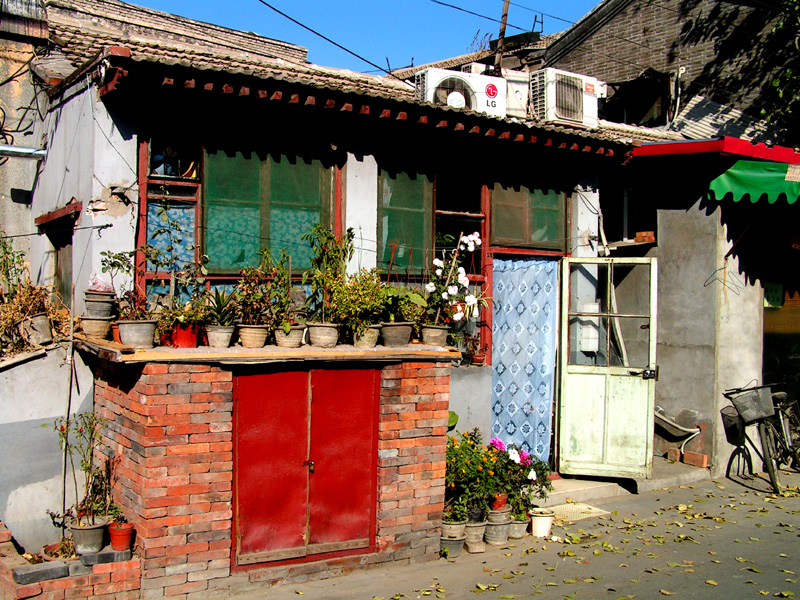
x=170 y=425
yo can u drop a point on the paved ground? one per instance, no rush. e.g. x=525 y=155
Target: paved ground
x=711 y=539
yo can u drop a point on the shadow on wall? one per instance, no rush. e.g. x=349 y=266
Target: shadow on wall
x=32 y=395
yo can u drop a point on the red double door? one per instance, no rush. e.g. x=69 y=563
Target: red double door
x=306 y=462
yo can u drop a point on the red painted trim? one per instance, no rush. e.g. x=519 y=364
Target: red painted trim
x=526 y=252
x=726 y=145
x=73 y=210
x=487 y=270
x=141 y=226
x=338 y=220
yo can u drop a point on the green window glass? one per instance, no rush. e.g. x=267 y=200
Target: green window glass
x=252 y=203
x=531 y=218
x=404 y=220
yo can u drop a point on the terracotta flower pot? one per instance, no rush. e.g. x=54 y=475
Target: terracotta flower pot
x=121 y=535
x=185 y=336
x=499 y=501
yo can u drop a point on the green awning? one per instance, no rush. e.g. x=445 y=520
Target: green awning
x=754 y=180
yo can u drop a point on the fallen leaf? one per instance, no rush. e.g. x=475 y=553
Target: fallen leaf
x=784 y=595
x=711 y=582
x=665 y=593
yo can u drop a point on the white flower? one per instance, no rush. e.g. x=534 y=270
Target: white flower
x=452 y=290
x=458 y=316
x=459 y=308
x=430 y=287
x=465 y=239
x=437 y=262
x=438 y=272
x=476 y=235
x=445 y=296
x=478 y=242
x=463 y=282
x=471 y=247
x=470 y=300
x=532 y=475
x=513 y=456
x=461 y=272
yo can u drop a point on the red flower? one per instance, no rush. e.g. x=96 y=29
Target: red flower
x=80 y=430
x=62 y=428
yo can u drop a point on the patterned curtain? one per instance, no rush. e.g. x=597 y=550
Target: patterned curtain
x=524 y=352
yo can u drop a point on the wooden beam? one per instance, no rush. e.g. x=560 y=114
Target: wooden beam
x=402 y=116
x=310 y=101
x=490 y=132
x=610 y=153
x=330 y=103
x=294 y=99
x=475 y=129
x=442 y=123
x=574 y=147
x=262 y=94
x=276 y=96
x=385 y=113
x=423 y=120
x=587 y=148
x=346 y=107
x=189 y=84
x=533 y=139
x=505 y=135
x=364 y=110
x=601 y=150
x=459 y=127
x=208 y=87
x=519 y=138
x=244 y=91
x=168 y=81
x=73 y=210
x=562 y=146
x=227 y=89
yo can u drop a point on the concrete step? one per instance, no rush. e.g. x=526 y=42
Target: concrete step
x=582 y=490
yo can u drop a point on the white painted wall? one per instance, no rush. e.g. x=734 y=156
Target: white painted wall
x=89 y=154
x=584 y=227
x=361 y=209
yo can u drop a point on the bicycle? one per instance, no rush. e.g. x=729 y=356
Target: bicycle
x=778 y=422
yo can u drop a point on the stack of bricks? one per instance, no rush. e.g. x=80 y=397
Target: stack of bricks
x=170 y=430
x=107 y=581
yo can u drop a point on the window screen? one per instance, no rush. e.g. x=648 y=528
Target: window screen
x=532 y=218
x=252 y=203
x=404 y=220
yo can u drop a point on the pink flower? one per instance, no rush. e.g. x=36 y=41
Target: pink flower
x=498 y=444
x=525 y=457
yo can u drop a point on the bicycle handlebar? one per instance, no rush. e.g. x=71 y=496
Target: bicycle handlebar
x=736 y=391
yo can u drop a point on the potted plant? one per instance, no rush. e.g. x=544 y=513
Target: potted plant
x=361 y=301
x=180 y=326
x=289 y=329
x=327 y=274
x=221 y=309
x=79 y=437
x=253 y=306
x=404 y=305
x=120 y=532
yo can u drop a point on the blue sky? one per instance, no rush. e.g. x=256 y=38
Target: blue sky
x=400 y=31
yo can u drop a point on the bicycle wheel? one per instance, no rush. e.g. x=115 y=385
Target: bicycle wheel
x=769 y=450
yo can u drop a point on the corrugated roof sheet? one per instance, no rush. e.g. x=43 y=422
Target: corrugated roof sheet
x=702 y=119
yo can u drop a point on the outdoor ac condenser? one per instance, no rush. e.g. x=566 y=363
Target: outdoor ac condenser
x=561 y=96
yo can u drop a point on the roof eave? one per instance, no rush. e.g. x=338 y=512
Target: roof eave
x=728 y=146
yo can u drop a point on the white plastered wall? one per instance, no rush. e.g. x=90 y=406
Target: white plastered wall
x=361 y=209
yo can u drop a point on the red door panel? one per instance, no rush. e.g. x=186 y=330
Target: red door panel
x=272 y=479
x=342 y=490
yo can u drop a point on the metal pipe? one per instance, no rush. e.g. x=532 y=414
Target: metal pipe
x=21 y=152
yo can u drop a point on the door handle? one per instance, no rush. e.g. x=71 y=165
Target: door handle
x=646 y=373
x=309 y=464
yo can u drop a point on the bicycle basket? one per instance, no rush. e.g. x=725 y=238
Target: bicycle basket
x=733 y=425
x=754 y=404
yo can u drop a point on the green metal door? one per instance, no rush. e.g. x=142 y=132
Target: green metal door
x=608 y=366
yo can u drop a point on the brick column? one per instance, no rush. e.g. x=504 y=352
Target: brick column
x=170 y=429
x=411 y=459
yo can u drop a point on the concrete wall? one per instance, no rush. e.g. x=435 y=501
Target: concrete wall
x=17 y=175
x=91 y=157
x=361 y=209
x=32 y=395
x=471 y=398
x=686 y=339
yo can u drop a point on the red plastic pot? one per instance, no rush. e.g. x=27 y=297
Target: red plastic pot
x=185 y=336
x=121 y=535
x=499 y=502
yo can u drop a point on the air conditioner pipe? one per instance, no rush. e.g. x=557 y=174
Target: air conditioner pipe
x=21 y=152
x=695 y=431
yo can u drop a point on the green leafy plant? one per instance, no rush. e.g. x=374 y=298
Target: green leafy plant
x=221 y=307
x=331 y=255
x=403 y=304
x=361 y=300
x=283 y=312
x=12 y=268
x=252 y=296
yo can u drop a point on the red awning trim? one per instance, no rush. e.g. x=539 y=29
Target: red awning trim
x=726 y=145
x=72 y=209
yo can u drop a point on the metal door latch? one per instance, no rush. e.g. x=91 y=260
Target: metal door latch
x=310 y=465
x=646 y=373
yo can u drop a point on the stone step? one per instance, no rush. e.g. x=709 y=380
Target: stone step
x=582 y=490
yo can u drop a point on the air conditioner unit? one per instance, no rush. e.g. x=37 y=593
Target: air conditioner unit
x=518 y=83
x=476 y=68
x=566 y=97
x=480 y=93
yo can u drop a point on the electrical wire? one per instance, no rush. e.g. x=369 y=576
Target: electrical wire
x=329 y=40
x=469 y=12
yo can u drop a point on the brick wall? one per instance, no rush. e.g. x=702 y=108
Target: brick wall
x=714 y=40
x=170 y=429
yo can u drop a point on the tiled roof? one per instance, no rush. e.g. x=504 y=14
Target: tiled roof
x=702 y=119
x=448 y=63
x=636 y=134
